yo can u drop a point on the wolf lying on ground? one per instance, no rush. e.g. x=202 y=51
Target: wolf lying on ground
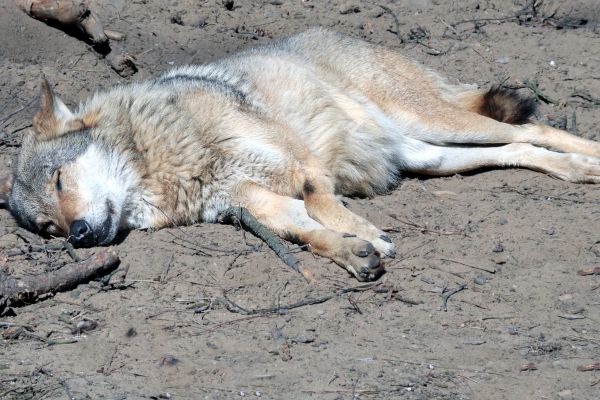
x=280 y=130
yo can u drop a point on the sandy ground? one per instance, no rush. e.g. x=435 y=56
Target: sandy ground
x=515 y=238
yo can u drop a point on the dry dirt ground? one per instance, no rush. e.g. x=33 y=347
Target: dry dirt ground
x=515 y=238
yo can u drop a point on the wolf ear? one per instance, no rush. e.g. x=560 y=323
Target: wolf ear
x=5 y=186
x=53 y=118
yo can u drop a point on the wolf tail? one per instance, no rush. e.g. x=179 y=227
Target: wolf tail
x=501 y=104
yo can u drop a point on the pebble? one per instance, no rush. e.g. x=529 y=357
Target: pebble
x=565 y=297
x=349 y=8
x=566 y=395
x=558 y=364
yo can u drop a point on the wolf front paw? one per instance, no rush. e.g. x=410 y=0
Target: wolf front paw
x=360 y=258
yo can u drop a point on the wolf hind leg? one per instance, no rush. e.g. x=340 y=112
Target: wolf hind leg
x=288 y=218
x=435 y=160
x=459 y=126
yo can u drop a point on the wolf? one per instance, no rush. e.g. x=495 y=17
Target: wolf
x=281 y=130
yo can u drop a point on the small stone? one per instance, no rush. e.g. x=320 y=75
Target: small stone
x=480 y=279
x=558 y=364
x=566 y=394
x=565 y=297
x=176 y=19
x=499 y=248
x=349 y=8
x=302 y=339
x=524 y=351
x=499 y=259
x=513 y=329
x=199 y=23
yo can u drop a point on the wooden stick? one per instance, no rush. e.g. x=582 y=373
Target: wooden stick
x=236 y=308
x=29 y=288
x=241 y=216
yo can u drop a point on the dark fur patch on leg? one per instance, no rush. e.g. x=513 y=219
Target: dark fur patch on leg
x=505 y=105
x=292 y=238
x=308 y=187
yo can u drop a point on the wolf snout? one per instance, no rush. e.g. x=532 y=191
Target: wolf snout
x=81 y=234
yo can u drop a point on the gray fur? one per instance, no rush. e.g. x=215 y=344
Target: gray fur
x=34 y=166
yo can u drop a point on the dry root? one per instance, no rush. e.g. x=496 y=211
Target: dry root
x=70 y=13
x=29 y=288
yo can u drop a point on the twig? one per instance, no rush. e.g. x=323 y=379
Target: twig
x=25 y=331
x=421 y=228
x=589 y=367
x=44 y=247
x=490 y=270
x=497 y=317
x=589 y=271
x=163 y=277
x=355 y=306
x=242 y=217
x=477 y=21
x=586 y=97
x=29 y=288
x=406 y=300
x=396 y=20
x=235 y=308
x=536 y=196
x=449 y=293
x=64 y=245
x=530 y=8
x=537 y=92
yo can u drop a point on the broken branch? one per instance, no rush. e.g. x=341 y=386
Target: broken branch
x=446 y=296
x=29 y=288
x=241 y=216
x=70 y=13
x=235 y=308
x=589 y=271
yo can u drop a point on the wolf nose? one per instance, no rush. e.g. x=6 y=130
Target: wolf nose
x=81 y=233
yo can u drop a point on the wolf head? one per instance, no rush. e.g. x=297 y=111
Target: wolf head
x=66 y=181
